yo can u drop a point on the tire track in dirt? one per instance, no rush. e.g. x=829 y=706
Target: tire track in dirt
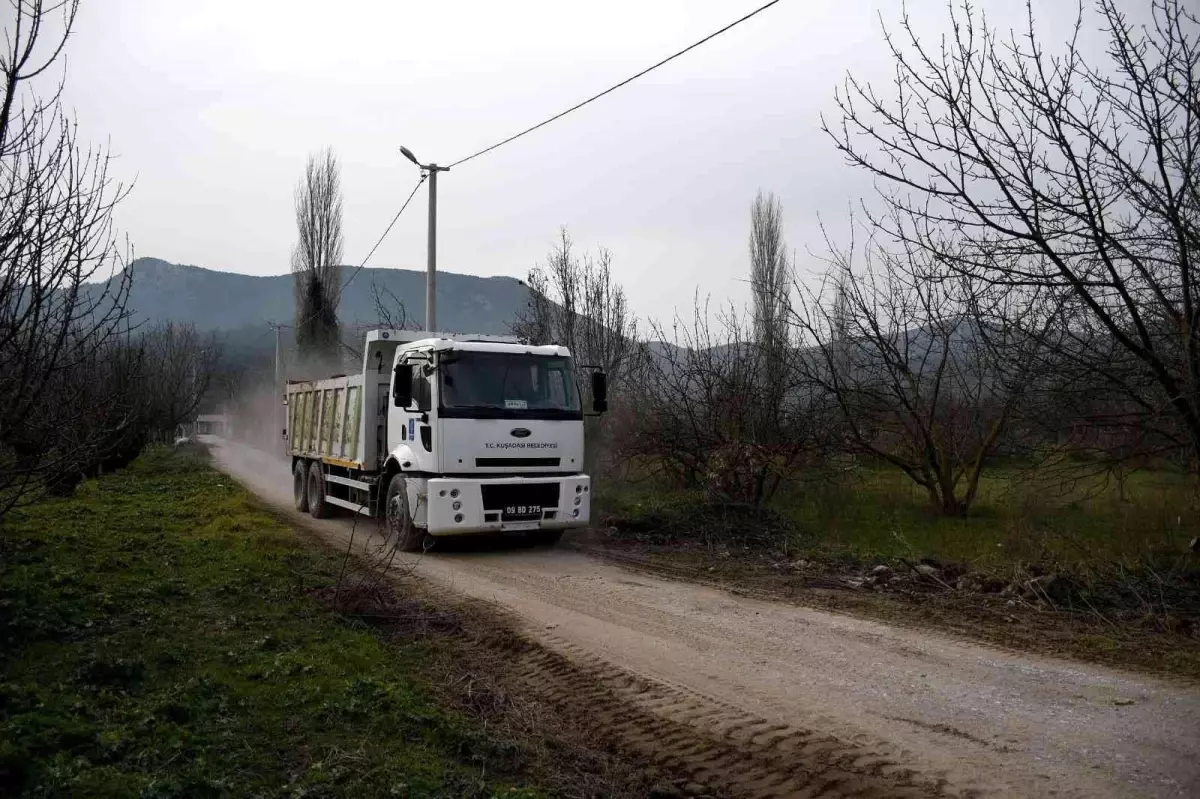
x=696 y=738
x=706 y=741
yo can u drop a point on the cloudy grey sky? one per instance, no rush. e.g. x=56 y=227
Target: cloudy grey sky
x=213 y=106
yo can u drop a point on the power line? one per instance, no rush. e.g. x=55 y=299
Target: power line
x=363 y=263
x=388 y=230
x=542 y=124
x=611 y=89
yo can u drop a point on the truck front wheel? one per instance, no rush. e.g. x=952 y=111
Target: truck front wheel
x=401 y=531
x=300 y=486
x=318 y=508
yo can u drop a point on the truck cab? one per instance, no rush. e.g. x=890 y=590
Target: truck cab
x=472 y=434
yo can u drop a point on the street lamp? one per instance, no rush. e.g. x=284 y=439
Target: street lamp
x=432 y=170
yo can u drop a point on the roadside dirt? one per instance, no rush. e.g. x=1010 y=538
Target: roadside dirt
x=1165 y=644
x=759 y=698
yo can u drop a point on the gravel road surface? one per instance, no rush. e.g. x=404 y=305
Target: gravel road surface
x=864 y=700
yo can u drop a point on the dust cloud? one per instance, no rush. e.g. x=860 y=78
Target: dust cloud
x=257 y=412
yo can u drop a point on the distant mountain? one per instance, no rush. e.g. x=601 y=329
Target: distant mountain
x=241 y=308
x=224 y=301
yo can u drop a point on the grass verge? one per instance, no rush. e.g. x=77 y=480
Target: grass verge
x=161 y=635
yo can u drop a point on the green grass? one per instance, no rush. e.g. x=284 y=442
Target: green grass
x=159 y=637
x=1017 y=519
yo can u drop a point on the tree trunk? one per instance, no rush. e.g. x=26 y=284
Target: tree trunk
x=944 y=501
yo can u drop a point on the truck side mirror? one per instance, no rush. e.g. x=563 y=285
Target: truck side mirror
x=599 y=392
x=402 y=386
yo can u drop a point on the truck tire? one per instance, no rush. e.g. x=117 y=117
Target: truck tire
x=398 y=523
x=300 y=486
x=318 y=508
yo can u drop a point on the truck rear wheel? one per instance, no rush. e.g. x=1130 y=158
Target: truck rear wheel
x=318 y=508
x=401 y=531
x=300 y=486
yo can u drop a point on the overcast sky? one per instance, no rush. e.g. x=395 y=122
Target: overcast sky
x=213 y=106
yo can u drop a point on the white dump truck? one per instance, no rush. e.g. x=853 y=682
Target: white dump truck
x=444 y=435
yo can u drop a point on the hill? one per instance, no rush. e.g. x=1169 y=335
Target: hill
x=241 y=308
x=224 y=301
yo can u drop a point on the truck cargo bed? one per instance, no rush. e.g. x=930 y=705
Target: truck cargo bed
x=325 y=420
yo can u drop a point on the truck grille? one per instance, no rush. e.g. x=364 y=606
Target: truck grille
x=484 y=463
x=497 y=497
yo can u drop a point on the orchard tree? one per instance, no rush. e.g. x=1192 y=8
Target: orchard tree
x=58 y=314
x=1048 y=168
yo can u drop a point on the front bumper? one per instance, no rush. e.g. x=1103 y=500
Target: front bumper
x=473 y=515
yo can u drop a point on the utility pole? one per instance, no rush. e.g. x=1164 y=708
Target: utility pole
x=431 y=260
x=196 y=398
x=277 y=387
x=431 y=169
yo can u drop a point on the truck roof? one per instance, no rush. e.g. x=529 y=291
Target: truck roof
x=406 y=336
x=422 y=339
x=444 y=344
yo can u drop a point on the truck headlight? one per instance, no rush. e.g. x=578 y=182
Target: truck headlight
x=578 y=500
x=578 y=489
x=458 y=517
x=456 y=505
x=575 y=513
x=454 y=492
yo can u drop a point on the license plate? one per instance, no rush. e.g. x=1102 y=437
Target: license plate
x=522 y=512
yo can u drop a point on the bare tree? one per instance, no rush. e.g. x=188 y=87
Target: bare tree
x=390 y=310
x=1097 y=414
x=697 y=405
x=716 y=403
x=921 y=370
x=770 y=285
x=390 y=314
x=131 y=392
x=104 y=414
x=770 y=274
x=1045 y=169
x=181 y=363
x=574 y=302
x=317 y=258
x=56 y=246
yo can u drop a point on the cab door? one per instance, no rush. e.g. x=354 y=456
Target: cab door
x=411 y=427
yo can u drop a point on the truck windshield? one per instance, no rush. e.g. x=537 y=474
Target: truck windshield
x=508 y=385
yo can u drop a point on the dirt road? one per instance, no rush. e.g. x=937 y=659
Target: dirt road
x=787 y=684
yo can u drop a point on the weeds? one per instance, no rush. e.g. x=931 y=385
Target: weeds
x=160 y=635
